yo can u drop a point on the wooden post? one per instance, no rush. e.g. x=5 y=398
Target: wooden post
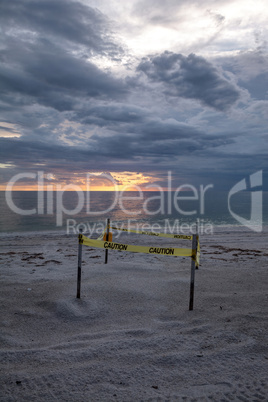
x=194 y=247
x=79 y=265
x=197 y=233
x=107 y=237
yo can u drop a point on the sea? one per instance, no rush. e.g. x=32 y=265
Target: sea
x=32 y=211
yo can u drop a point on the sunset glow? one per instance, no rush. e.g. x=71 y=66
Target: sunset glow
x=113 y=181
x=8 y=130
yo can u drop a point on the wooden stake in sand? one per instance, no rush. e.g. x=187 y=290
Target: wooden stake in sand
x=107 y=238
x=194 y=248
x=197 y=239
x=79 y=266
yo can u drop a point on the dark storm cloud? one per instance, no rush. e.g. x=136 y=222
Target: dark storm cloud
x=170 y=129
x=53 y=76
x=62 y=20
x=17 y=150
x=46 y=51
x=128 y=153
x=111 y=114
x=191 y=77
x=153 y=138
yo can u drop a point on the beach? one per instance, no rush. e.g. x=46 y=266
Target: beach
x=131 y=336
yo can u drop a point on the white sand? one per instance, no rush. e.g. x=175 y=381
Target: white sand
x=131 y=337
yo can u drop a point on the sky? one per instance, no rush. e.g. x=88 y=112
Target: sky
x=131 y=92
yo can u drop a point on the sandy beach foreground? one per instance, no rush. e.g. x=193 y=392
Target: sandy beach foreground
x=131 y=336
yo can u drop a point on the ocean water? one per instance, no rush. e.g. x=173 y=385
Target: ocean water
x=30 y=211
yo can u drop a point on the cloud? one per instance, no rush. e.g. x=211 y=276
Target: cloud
x=110 y=114
x=250 y=69
x=61 y=20
x=66 y=92
x=53 y=76
x=151 y=139
x=47 y=51
x=171 y=11
x=190 y=77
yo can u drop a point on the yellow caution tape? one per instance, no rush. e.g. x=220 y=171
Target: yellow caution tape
x=182 y=252
x=172 y=236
